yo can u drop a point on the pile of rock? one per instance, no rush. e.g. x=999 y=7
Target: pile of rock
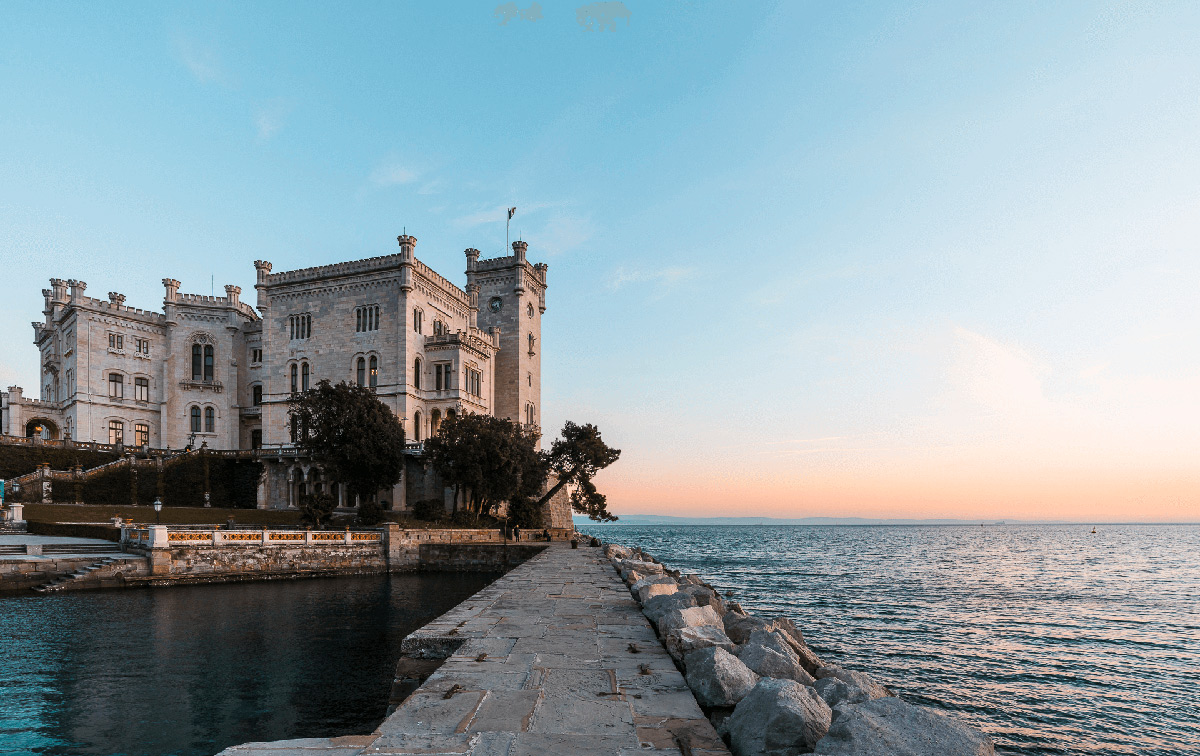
x=765 y=690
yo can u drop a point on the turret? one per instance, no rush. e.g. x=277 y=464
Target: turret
x=519 y=248
x=472 y=287
x=48 y=295
x=172 y=287
x=77 y=291
x=232 y=293
x=116 y=299
x=407 y=246
x=264 y=269
x=59 y=289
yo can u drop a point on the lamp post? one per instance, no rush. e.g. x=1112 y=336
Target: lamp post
x=157 y=509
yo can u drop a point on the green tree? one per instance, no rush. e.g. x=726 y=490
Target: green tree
x=353 y=437
x=575 y=459
x=487 y=460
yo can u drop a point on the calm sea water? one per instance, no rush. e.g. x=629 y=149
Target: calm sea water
x=192 y=670
x=1050 y=638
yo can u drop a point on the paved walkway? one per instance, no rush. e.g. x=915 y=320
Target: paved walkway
x=557 y=659
x=23 y=539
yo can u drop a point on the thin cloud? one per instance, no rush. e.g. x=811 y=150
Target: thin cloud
x=200 y=60
x=666 y=278
x=270 y=117
x=392 y=172
x=562 y=233
x=498 y=213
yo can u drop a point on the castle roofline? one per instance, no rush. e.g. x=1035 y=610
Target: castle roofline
x=367 y=265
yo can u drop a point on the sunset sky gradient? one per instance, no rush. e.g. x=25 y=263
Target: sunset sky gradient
x=864 y=259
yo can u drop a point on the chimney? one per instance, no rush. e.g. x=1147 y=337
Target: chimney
x=232 y=293
x=172 y=287
x=116 y=299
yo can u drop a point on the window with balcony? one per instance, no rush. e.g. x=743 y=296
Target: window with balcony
x=141 y=434
x=116 y=386
x=116 y=432
x=366 y=318
x=141 y=389
x=202 y=362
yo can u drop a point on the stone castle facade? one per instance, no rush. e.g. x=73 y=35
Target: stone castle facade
x=216 y=371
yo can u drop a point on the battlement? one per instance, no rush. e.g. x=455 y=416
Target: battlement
x=335 y=270
x=440 y=280
x=204 y=300
x=116 y=306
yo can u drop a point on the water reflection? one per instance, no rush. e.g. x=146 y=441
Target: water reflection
x=192 y=670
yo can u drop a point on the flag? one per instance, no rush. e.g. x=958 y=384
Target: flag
x=511 y=212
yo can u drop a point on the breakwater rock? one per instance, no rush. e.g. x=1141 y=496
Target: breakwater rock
x=766 y=691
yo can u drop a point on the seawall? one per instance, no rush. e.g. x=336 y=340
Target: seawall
x=555 y=657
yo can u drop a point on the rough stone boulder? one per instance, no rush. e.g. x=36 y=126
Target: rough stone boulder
x=616 y=551
x=695 y=616
x=778 y=718
x=717 y=677
x=890 y=726
x=739 y=626
x=858 y=679
x=626 y=566
x=685 y=640
x=705 y=596
x=835 y=692
x=658 y=606
x=655 y=585
x=769 y=655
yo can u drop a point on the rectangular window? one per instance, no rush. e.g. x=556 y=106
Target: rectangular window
x=256 y=355
x=142 y=346
x=116 y=386
x=116 y=432
x=300 y=326
x=116 y=341
x=474 y=382
x=210 y=420
x=141 y=389
x=141 y=434
x=256 y=395
x=256 y=439
x=70 y=387
x=196 y=362
x=208 y=363
x=366 y=318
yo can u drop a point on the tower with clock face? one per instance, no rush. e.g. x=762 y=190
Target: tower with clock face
x=510 y=293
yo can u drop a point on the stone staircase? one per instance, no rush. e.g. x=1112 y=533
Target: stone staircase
x=94 y=575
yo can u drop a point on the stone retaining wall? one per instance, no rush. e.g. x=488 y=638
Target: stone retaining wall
x=24 y=575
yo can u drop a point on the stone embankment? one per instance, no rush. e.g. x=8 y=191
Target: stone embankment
x=765 y=690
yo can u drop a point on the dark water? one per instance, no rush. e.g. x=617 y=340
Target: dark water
x=192 y=670
x=1053 y=640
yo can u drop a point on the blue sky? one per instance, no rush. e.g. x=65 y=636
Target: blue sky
x=927 y=260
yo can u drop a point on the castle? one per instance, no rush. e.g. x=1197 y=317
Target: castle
x=218 y=372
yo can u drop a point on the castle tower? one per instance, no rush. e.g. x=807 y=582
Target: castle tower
x=511 y=295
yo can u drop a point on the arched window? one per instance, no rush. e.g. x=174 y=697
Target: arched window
x=529 y=309
x=435 y=420
x=362 y=371
x=374 y=371
x=450 y=413
x=208 y=362
x=210 y=420
x=417 y=426
x=195 y=413
x=197 y=370
x=417 y=373
x=116 y=432
x=304 y=376
x=256 y=395
x=532 y=341
x=295 y=379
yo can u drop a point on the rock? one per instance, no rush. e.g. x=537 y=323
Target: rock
x=614 y=552
x=808 y=659
x=692 y=579
x=696 y=616
x=717 y=677
x=685 y=640
x=646 y=568
x=778 y=718
x=649 y=580
x=891 y=726
x=657 y=606
x=859 y=679
x=767 y=661
x=705 y=596
x=835 y=692
x=649 y=590
x=739 y=626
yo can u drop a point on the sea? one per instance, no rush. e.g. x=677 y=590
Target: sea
x=1051 y=638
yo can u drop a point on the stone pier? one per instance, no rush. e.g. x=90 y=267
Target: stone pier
x=553 y=658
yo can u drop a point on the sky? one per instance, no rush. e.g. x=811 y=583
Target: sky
x=806 y=259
